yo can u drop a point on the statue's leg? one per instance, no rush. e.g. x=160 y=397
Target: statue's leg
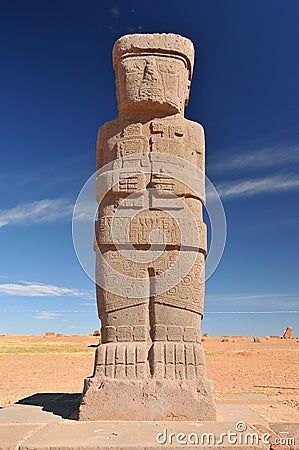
x=125 y=331
x=115 y=391
x=177 y=312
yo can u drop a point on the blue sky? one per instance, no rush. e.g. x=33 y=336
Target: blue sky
x=57 y=87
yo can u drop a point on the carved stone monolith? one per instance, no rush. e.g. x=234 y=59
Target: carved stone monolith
x=150 y=242
x=288 y=333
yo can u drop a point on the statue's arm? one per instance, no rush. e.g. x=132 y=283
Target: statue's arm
x=100 y=148
x=197 y=148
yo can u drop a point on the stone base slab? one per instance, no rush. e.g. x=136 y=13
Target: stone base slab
x=101 y=435
x=110 y=399
x=12 y=436
x=140 y=435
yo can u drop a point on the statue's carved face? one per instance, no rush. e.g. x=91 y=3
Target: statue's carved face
x=153 y=82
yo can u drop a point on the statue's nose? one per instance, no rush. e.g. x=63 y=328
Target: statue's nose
x=150 y=72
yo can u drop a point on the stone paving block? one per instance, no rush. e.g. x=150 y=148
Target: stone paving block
x=28 y=414
x=142 y=435
x=276 y=412
x=13 y=435
x=237 y=412
x=245 y=399
x=42 y=408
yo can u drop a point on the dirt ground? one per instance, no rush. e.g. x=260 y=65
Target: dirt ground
x=38 y=364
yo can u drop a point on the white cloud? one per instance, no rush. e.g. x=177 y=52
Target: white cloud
x=273 y=300
x=47 y=315
x=255 y=295
x=85 y=210
x=258 y=186
x=264 y=157
x=42 y=211
x=88 y=304
x=29 y=289
x=250 y=161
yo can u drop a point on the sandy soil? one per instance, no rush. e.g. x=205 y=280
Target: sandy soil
x=36 y=364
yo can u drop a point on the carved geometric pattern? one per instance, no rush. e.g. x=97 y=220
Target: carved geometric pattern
x=177 y=361
x=175 y=333
x=186 y=292
x=119 y=360
x=181 y=361
x=123 y=333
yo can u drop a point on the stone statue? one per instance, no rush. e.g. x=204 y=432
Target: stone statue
x=150 y=365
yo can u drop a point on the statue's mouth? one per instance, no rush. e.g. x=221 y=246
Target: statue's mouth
x=151 y=104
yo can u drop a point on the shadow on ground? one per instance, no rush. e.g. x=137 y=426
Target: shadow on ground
x=60 y=404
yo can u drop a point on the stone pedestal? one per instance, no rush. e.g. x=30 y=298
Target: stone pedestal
x=146 y=400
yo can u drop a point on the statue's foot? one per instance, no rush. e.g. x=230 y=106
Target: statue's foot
x=167 y=383
x=177 y=361
x=122 y=360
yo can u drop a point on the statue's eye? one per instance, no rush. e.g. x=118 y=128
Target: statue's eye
x=171 y=66
x=134 y=66
x=167 y=67
x=164 y=67
x=137 y=67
